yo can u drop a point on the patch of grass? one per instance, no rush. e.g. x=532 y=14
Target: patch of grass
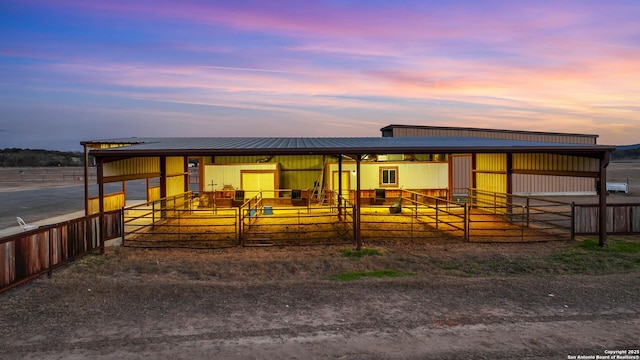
x=612 y=246
x=359 y=253
x=351 y=276
x=586 y=257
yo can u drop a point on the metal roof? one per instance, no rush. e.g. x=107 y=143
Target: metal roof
x=201 y=146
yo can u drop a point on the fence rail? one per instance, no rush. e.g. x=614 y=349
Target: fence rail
x=30 y=254
x=178 y=220
x=501 y=217
x=622 y=219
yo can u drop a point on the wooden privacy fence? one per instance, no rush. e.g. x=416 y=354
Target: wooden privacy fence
x=27 y=255
x=622 y=219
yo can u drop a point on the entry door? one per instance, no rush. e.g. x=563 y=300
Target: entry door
x=253 y=182
x=346 y=175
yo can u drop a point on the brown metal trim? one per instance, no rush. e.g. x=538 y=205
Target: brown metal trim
x=489 y=172
x=114 y=154
x=163 y=177
x=110 y=179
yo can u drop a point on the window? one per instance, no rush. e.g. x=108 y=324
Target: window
x=388 y=176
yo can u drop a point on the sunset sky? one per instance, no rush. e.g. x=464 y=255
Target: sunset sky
x=73 y=70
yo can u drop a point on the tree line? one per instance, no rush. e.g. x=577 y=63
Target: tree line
x=16 y=157
x=627 y=152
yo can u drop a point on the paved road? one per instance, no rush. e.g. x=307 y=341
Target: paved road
x=40 y=204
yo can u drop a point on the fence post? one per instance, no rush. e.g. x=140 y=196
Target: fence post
x=437 y=208
x=51 y=252
x=528 y=212
x=467 y=214
x=122 y=227
x=355 y=224
x=573 y=221
x=240 y=222
x=522 y=222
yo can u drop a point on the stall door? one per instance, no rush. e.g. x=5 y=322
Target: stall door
x=256 y=181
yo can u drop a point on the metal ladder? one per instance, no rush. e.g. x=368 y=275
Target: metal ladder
x=318 y=192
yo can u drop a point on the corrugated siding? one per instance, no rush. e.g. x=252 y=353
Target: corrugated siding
x=287 y=162
x=297 y=172
x=490 y=175
x=299 y=179
x=132 y=166
x=491 y=182
x=553 y=162
x=112 y=202
x=175 y=165
x=493 y=134
x=460 y=173
x=525 y=184
x=491 y=162
x=175 y=185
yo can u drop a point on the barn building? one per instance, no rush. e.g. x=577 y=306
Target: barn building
x=522 y=184
x=437 y=174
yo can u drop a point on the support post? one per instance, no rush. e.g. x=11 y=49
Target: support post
x=358 y=232
x=509 y=183
x=339 y=195
x=573 y=221
x=602 y=214
x=103 y=232
x=86 y=181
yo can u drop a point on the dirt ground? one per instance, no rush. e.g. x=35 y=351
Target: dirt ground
x=281 y=303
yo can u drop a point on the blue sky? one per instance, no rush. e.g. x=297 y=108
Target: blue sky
x=73 y=70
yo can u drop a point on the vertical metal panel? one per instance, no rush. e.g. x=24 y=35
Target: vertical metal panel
x=175 y=185
x=132 y=166
x=492 y=182
x=554 y=162
x=460 y=173
x=175 y=165
x=493 y=134
x=527 y=184
x=491 y=162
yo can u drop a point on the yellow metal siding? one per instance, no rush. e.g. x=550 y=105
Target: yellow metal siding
x=298 y=179
x=153 y=193
x=491 y=162
x=298 y=172
x=132 y=166
x=175 y=165
x=112 y=202
x=175 y=185
x=287 y=162
x=553 y=162
x=492 y=182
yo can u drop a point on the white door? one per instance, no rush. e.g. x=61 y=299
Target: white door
x=254 y=182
